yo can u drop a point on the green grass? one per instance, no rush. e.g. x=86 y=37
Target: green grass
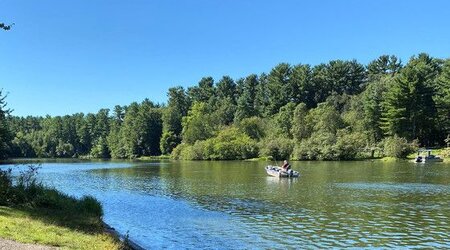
x=54 y=228
x=30 y=212
x=149 y=158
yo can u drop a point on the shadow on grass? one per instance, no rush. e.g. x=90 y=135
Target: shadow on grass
x=53 y=207
x=4 y=211
x=83 y=222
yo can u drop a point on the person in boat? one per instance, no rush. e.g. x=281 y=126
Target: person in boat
x=285 y=167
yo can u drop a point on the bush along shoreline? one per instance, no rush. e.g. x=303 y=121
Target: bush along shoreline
x=52 y=218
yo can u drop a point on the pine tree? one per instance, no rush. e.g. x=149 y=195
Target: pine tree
x=5 y=134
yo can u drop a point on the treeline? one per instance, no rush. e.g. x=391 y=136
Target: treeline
x=334 y=111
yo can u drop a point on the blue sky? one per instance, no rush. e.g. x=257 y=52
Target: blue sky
x=63 y=57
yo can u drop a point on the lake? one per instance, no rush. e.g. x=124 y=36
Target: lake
x=223 y=205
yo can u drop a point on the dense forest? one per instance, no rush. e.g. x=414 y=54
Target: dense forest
x=338 y=110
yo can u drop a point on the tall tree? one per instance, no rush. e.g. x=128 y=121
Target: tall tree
x=302 y=88
x=370 y=104
x=283 y=120
x=5 y=135
x=226 y=88
x=246 y=102
x=384 y=65
x=172 y=115
x=204 y=91
x=300 y=129
x=442 y=99
x=410 y=110
x=199 y=124
x=278 y=87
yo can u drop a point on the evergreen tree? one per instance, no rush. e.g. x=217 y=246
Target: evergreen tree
x=384 y=65
x=442 y=99
x=226 y=88
x=278 y=86
x=409 y=108
x=203 y=92
x=246 y=102
x=172 y=115
x=5 y=135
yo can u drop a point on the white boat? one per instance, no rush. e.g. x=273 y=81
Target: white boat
x=428 y=157
x=278 y=172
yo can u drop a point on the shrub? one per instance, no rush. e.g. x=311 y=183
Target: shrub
x=398 y=147
x=253 y=127
x=90 y=205
x=5 y=186
x=178 y=150
x=232 y=144
x=320 y=146
x=348 y=145
x=276 y=148
x=229 y=144
x=168 y=142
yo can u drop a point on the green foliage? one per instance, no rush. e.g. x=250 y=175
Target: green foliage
x=318 y=147
x=348 y=144
x=254 y=127
x=283 y=120
x=5 y=134
x=226 y=88
x=442 y=100
x=168 y=142
x=246 y=103
x=100 y=149
x=64 y=149
x=5 y=187
x=278 y=86
x=232 y=144
x=139 y=134
x=204 y=91
x=398 y=147
x=177 y=108
x=323 y=145
x=276 y=148
x=384 y=65
x=325 y=118
x=199 y=124
x=229 y=144
x=300 y=129
x=410 y=110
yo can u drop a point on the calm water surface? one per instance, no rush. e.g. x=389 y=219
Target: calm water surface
x=224 y=205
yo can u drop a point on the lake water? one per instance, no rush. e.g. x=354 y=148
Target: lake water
x=223 y=205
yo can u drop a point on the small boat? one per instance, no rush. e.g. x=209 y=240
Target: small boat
x=428 y=157
x=278 y=172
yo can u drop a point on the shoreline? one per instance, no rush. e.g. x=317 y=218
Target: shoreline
x=122 y=238
x=159 y=158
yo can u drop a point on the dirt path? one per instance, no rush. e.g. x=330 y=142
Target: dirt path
x=9 y=244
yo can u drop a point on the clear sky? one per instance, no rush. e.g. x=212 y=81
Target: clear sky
x=68 y=56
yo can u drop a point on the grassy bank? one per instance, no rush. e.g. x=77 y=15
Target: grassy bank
x=54 y=228
x=152 y=158
x=33 y=213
